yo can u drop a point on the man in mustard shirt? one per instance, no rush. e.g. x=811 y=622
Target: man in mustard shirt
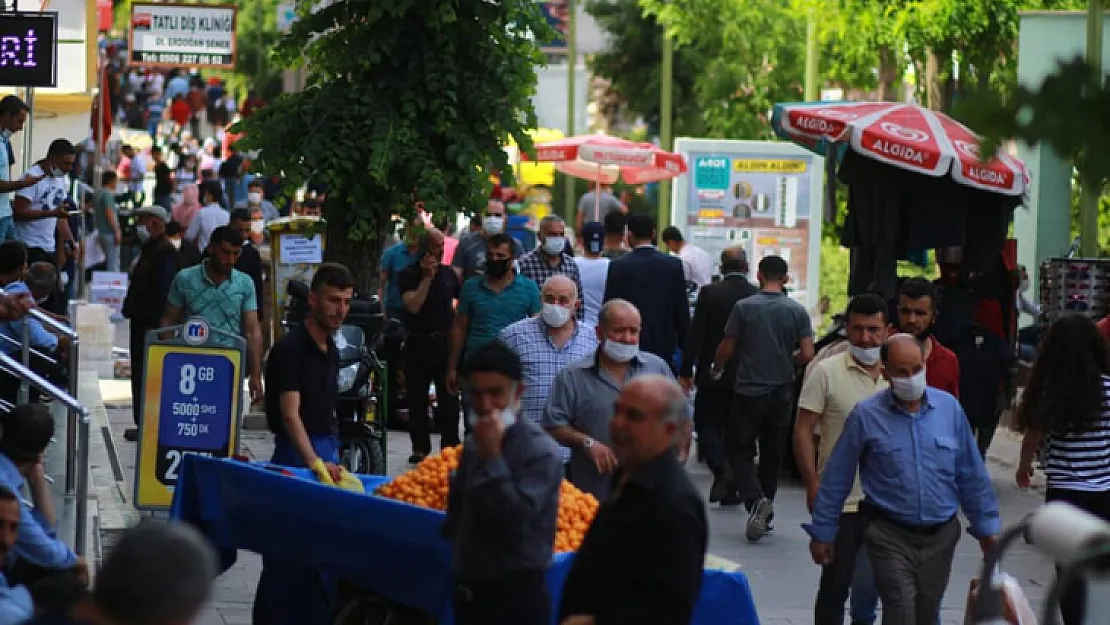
x=834 y=387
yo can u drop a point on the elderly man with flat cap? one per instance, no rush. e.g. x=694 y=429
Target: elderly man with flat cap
x=919 y=464
x=641 y=560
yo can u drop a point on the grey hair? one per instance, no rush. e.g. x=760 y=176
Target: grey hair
x=42 y=274
x=608 y=307
x=156 y=573
x=550 y=220
x=560 y=278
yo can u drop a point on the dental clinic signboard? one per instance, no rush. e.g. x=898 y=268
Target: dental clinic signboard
x=183 y=35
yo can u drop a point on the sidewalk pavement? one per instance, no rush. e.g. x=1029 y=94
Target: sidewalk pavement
x=779 y=569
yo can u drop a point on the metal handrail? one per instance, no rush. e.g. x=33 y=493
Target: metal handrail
x=19 y=344
x=50 y=322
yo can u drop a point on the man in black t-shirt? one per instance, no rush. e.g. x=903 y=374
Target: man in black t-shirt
x=428 y=291
x=163 y=180
x=300 y=409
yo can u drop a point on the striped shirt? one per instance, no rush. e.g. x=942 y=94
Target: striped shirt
x=1081 y=460
x=542 y=361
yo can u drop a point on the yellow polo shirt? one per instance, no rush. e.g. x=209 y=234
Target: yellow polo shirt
x=833 y=388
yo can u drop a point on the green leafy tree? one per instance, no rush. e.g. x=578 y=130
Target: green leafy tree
x=406 y=100
x=631 y=64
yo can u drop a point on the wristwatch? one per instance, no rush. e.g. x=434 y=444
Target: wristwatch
x=587 y=443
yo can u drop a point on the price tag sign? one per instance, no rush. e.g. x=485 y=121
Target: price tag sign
x=191 y=403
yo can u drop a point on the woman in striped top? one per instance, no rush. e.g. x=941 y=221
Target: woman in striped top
x=1066 y=406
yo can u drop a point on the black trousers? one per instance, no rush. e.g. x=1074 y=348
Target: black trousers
x=138 y=364
x=520 y=599
x=1074 y=600
x=425 y=362
x=763 y=420
x=836 y=578
x=712 y=408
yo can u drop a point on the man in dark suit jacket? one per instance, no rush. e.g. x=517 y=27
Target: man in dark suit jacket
x=713 y=402
x=656 y=284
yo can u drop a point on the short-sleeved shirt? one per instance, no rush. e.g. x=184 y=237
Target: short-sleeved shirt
x=470 y=255
x=7 y=157
x=438 y=311
x=488 y=312
x=768 y=328
x=296 y=363
x=589 y=203
x=45 y=195
x=394 y=260
x=104 y=202
x=221 y=305
x=834 y=387
x=582 y=397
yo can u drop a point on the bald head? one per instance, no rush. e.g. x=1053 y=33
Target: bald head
x=662 y=393
x=617 y=311
x=647 y=419
x=902 y=355
x=559 y=286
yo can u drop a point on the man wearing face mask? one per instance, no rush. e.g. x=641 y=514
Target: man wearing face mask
x=830 y=392
x=187 y=252
x=918 y=465
x=260 y=210
x=918 y=305
x=503 y=502
x=36 y=209
x=580 y=404
x=13 y=114
x=470 y=256
x=550 y=259
x=489 y=303
x=250 y=260
x=548 y=343
x=147 y=292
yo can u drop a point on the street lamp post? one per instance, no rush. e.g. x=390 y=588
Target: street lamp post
x=666 y=118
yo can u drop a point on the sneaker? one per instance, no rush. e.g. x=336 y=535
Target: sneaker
x=131 y=434
x=759 y=519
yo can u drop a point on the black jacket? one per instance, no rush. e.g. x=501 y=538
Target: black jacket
x=655 y=283
x=715 y=304
x=150 y=283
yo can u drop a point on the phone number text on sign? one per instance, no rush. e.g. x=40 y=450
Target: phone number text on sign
x=174 y=58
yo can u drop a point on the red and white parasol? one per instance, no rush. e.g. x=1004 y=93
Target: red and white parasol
x=906 y=136
x=604 y=160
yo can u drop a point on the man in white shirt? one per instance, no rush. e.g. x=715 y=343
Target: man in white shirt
x=13 y=114
x=593 y=270
x=207 y=219
x=696 y=262
x=37 y=208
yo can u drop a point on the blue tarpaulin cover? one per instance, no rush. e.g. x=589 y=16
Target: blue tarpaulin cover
x=390 y=548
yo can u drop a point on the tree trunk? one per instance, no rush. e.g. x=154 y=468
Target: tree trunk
x=361 y=257
x=888 y=75
x=934 y=90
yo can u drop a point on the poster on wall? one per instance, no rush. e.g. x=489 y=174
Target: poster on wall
x=182 y=35
x=762 y=196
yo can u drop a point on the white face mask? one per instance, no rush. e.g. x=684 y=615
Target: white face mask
x=493 y=225
x=555 y=316
x=866 y=356
x=909 y=389
x=254 y=197
x=619 y=352
x=554 y=245
x=142 y=232
x=256 y=226
x=506 y=416
x=176 y=243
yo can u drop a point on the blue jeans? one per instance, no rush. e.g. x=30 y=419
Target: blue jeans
x=110 y=249
x=290 y=593
x=7 y=229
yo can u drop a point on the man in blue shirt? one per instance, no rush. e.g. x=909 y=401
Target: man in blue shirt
x=15 y=601
x=918 y=463
x=395 y=260
x=13 y=270
x=37 y=551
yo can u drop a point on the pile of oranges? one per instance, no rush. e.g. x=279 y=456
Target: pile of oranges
x=428 y=483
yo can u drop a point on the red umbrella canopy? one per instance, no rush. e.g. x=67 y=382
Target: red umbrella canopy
x=605 y=159
x=906 y=136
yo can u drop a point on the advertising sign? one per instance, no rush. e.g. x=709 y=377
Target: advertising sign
x=182 y=35
x=557 y=13
x=28 y=49
x=763 y=196
x=192 y=391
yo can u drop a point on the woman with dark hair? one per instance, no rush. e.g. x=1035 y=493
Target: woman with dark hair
x=1066 y=408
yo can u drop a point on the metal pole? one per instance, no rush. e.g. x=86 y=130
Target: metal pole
x=569 y=201
x=1090 y=188
x=24 y=391
x=666 y=119
x=28 y=130
x=82 y=512
x=812 y=93
x=72 y=416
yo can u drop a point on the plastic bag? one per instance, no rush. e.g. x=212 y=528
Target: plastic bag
x=347 y=481
x=1016 y=610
